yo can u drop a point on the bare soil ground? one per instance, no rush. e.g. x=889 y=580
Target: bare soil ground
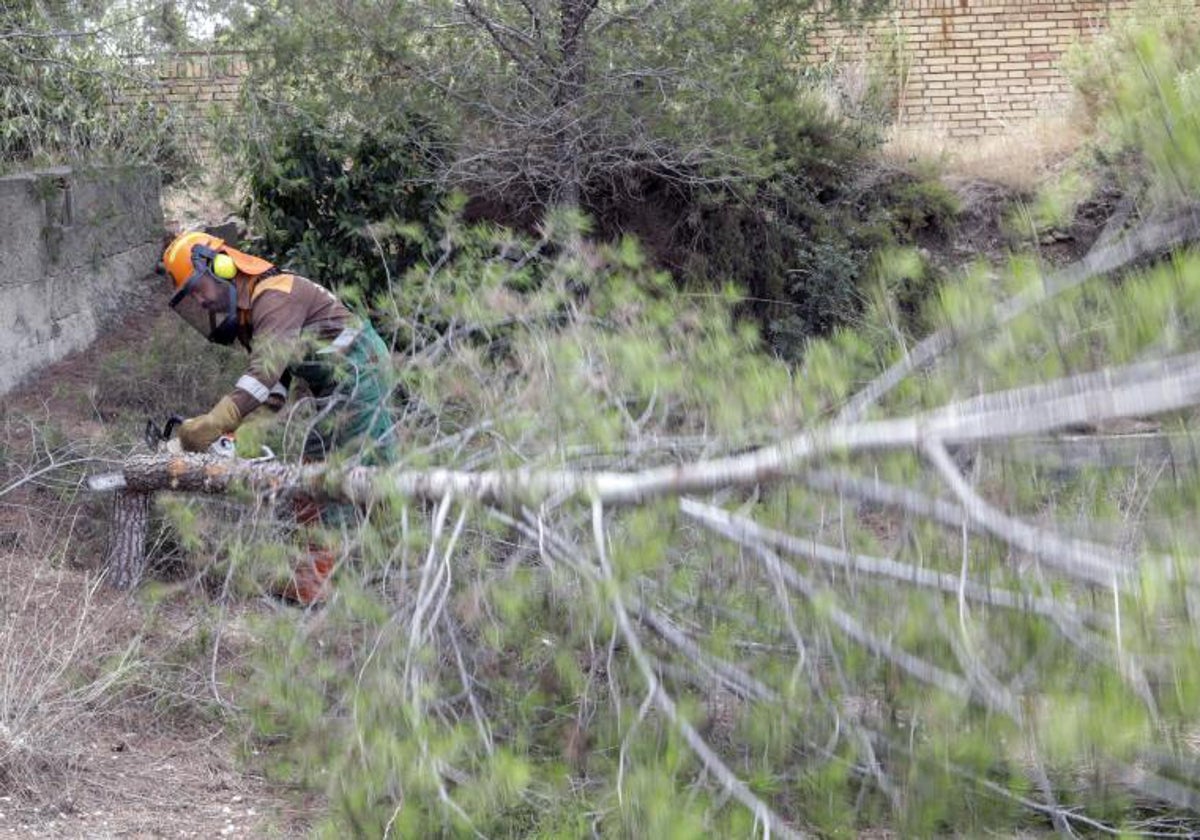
x=112 y=721
x=123 y=767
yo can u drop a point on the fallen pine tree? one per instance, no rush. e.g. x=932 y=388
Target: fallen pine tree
x=982 y=595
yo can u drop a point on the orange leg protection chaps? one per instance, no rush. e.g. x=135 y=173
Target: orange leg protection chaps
x=310 y=582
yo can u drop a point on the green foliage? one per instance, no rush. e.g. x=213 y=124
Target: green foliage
x=67 y=96
x=806 y=249
x=471 y=673
x=1141 y=85
x=535 y=637
x=657 y=86
x=801 y=236
x=339 y=204
x=1054 y=206
x=687 y=127
x=1135 y=83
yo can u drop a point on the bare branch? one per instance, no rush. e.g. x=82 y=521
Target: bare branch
x=727 y=674
x=54 y=466
x=1070 y=401
x=904 y=572
x=712 y=762
x=917 y=667
x=1149 y=240
x=503 y=37
x=1080 y=559
x=1179 y=450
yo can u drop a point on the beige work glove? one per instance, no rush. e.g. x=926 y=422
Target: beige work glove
x=198 y=433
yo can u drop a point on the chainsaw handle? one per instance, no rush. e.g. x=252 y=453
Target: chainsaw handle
x=169 y=428
x=154 y=437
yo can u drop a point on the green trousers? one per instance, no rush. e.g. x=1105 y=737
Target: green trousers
x=355 y=417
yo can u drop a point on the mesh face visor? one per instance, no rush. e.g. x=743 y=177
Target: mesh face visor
x=216 y=320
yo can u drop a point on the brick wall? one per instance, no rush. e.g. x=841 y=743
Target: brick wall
x=974 y=67
x=197 y=85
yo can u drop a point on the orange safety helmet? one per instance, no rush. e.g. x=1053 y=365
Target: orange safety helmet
x=178 y=259
x=211 y=309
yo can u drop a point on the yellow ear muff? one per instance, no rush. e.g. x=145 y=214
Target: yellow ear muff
x=223 y=266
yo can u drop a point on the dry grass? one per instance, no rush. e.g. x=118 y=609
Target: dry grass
x=61 y=667
x=102 y=726
x=109 y=717
x=1020 y=158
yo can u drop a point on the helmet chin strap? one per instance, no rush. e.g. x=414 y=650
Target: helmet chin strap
x=227 y=330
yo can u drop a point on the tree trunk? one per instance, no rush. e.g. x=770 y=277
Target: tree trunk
x=568 y=100
x=126 y=560
x=1138 y=390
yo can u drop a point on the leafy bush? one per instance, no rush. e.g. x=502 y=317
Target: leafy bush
x=805 y=252
x=348 y=208
x=688 y=128
x=66 y=98
x=1140 y=85
x=336 y=204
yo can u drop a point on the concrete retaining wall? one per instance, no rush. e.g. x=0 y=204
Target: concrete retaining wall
x=74 y=247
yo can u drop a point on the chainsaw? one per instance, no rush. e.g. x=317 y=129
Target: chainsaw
x=162 y=440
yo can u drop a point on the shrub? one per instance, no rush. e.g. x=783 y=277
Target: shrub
x=338 y=204
x=689 y=128
x=1139 y=84
x=805 y=252
x=66 y=98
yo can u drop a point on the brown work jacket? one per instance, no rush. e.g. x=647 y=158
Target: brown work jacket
x=287 y=324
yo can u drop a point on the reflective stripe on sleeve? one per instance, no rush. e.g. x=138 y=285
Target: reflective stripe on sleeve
x=279 y=390
x=341 y=343
x=253 y=387
x=344 y=339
